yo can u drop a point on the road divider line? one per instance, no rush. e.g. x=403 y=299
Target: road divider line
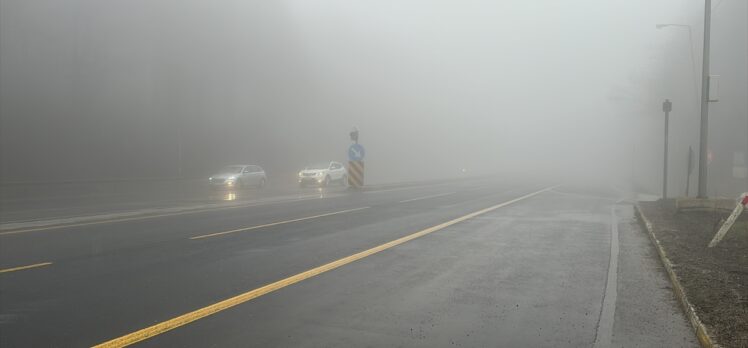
x=276 y=223
x=21 y=268
x=14 y=231
x=198 y=314
x=604 y=331
x=145 y=217
x=403 y=188
x=427 y=197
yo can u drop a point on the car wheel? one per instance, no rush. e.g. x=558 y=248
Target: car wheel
x=344 y=181
x=262 y=183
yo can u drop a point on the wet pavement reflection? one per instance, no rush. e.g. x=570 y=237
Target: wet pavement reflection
x=235 y=194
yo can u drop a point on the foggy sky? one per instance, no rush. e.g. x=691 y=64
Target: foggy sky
x=102 y=89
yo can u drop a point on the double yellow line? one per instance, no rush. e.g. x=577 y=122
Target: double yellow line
x=187 y=318
x=21 y=268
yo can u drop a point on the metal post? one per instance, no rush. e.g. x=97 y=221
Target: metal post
x=667 y=106
x=703 y=143
x=179 y=151
x=664 y=171
x=689 y=170
x=695 y=86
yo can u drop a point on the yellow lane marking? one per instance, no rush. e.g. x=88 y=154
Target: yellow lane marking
x=187 y=318
x=276 y=223
x=427 y=197
x=135 y=218
x=21 y=268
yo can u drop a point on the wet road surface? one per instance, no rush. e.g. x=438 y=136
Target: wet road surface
x=464 y=263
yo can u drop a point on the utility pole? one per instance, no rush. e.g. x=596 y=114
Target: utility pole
x=667 y=106
x=689 y=169
x=179 y=151
x=703 y=143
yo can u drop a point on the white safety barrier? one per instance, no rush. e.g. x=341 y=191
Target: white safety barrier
x=742 y=203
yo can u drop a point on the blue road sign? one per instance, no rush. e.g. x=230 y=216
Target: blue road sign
x=356 y=152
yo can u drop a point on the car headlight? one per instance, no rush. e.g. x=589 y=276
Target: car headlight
x=300 y=174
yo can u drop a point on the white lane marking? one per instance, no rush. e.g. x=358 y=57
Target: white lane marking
x=405 y=188
x=9 y=229
x=276 y=223
x=604 y=333
x=135 y=216
x=427 y=197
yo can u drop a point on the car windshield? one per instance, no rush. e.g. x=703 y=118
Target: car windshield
x=231 y=170
x=318 y=166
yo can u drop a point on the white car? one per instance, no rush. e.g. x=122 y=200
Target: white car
x=239 y=176
x=323 y=174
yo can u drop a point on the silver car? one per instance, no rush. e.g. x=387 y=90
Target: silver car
x=239 y=176
x=322 y=174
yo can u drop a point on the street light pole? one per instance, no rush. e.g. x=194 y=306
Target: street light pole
x=690 y=51
x=667 y=106
x=704 y=128
x=694 y=74
x=703 y=143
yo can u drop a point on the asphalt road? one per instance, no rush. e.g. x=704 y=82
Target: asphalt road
x=24 y=203
x=467 y=263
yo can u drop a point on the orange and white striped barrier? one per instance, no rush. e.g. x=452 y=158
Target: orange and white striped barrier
x=356 y=174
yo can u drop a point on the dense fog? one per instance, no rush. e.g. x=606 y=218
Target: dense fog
x=565 y=90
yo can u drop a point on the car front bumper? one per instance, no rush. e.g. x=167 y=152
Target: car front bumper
x=223 y=184
x=311 y=180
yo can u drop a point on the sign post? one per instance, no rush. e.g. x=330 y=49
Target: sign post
x=354 y=135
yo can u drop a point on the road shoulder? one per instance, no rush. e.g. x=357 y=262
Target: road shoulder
x=709 y=282
x=647 y=313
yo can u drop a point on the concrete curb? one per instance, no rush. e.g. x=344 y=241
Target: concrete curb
x=701 y=332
